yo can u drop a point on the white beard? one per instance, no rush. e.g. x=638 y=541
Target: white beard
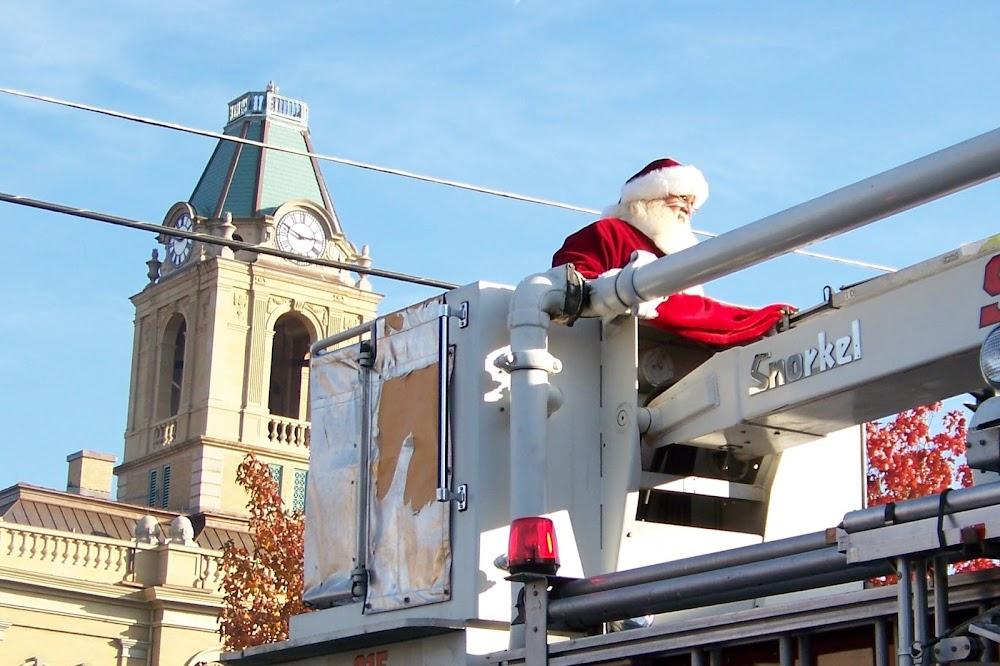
x=668 y=230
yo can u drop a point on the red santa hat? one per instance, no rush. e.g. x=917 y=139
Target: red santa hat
x=666 y=176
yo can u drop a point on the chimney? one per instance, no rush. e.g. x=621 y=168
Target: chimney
x=90 y=474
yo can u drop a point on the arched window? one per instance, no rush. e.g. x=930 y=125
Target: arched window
x=171 y=376
x=289 y=389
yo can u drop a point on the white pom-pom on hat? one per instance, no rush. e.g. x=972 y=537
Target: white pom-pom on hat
x=666 y=176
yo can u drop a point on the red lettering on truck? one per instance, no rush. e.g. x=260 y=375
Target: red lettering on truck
x=380 y=658
x=990 y=314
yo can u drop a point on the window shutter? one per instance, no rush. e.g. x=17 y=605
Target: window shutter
x=276 y=475
x=152 y=488
x=165 y=496
x=299 y=491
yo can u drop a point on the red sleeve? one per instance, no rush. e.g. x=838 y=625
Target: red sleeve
x=601 y=246
x=588 y=250
x=609 y=243
x=720 y=324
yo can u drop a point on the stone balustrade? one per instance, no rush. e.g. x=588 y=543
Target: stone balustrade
x=96 y=559
x=209 y=572
x=291 y=432
x=164 y=432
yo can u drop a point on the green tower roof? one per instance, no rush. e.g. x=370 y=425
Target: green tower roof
x=250 y=181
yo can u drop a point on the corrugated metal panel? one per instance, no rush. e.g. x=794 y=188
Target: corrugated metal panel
x=59 y=518
x=216 y=538
x=32 y=515
x=105 y=525
x=45 y=515
x=17 y=515
x=208 y=539
x=75 y=521
x=89 y=520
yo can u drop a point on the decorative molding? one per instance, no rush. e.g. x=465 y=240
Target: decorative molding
x=4 y=626
x=258 y=352
x=240 y=304
x=275 y=302
x=321 y=313
x=130 y=649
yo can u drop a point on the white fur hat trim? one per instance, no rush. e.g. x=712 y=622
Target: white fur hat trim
x=664 y=177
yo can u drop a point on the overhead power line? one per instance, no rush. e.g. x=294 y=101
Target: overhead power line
x=381 y=169
x=826 y=257
x=292 y=151
x=214 y=240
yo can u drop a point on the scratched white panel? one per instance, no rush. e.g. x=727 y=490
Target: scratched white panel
x=331 y=499
x=410 y=549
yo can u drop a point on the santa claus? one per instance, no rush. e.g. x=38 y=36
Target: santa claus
x=654 y=216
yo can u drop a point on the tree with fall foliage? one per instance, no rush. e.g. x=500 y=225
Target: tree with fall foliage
x=907 y=460
x=263 y=588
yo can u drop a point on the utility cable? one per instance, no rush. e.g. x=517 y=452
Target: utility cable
x=215 y=240
x=292 y=151
x=825 y=257
x=387 y=170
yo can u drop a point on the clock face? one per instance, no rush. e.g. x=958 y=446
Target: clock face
x=300 y=232
x=179 y=249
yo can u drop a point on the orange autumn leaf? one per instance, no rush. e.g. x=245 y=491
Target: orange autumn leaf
x=263 y=588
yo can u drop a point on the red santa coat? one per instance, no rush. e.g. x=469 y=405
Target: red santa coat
x=609 y=243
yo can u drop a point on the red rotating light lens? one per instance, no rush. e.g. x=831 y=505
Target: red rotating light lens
x=532 y=547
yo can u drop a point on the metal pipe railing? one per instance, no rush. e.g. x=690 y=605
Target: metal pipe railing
x=881 y=642
x=786 y=655
x=960 y=499
x=354 y=332
x=921 y=626
x=792 y=573
x=443 y=484
x=359 y=574
x=774 y=567
x=920 y=181
x=940 y=595
x=446 y=491
x=698 y=564
x=904 y=613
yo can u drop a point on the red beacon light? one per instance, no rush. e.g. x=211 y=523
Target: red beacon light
x=532 y=547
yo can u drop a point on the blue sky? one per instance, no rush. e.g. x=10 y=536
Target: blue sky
x=777 y=103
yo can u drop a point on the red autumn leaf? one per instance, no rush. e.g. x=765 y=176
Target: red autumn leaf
x=905 y=460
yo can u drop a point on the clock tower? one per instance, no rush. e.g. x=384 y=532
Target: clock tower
x=220 y=361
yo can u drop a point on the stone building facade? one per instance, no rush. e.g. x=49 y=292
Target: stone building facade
x=220 y=368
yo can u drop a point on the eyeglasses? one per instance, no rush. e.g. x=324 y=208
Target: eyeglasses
x=684 y=203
